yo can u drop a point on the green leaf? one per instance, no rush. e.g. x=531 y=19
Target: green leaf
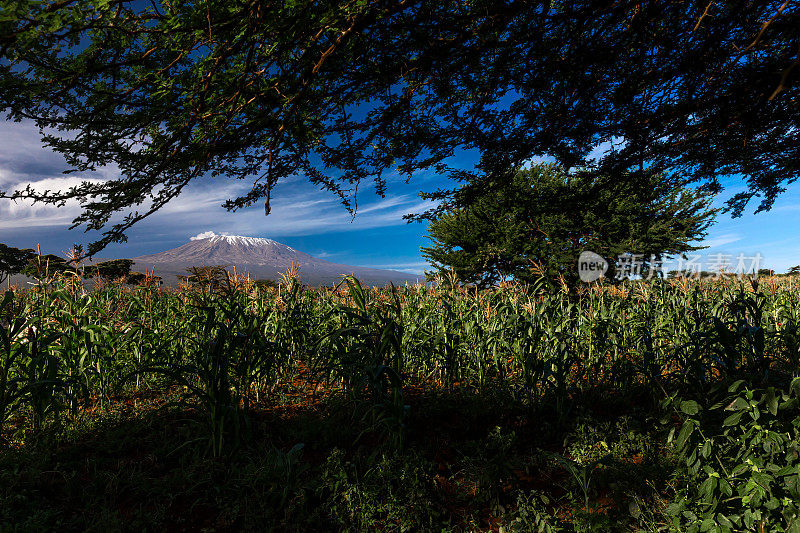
x=690 y=407
x=772 y=401
x=738 y=404
x=725 y=487
x=735 y=385
x=707 y=488
x=733 y=419
x=686 y=431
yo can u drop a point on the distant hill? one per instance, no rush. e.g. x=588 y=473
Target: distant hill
x=263 y=259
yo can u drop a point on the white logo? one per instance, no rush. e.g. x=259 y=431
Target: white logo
x=591 y=266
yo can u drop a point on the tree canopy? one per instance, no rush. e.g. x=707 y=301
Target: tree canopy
x=545 y=217
x=47 y=265
x=346 y=92
x=13 y=260
x=111 y=269
x=212 y=276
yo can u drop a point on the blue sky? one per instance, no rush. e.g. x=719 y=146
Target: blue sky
x=314 y=221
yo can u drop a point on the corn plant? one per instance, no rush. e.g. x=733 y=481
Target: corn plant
x=581 y=473
x=216 y=372
x=231 y=344
x=11 y=328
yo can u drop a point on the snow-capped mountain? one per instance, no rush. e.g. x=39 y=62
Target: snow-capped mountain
x=262 y=258
x=231 y=250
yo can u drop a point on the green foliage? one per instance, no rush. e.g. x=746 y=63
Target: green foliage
x=210 y=277
x=742 y=458
x=44 y=359
x=531 y=515
x=264 y=91
x=656 y=337
x=581 y=473
x=112 y=269
x=13 y=260
x=138 y=278
x=503 y=376
x=225 y=361
x=45 y=266
x=538 y=222
x=395 y=490
x=10 y=389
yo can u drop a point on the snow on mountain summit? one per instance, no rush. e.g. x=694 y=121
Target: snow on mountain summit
x=240 y=240
x=237 y=239
x=262 y=257
x=209 y=248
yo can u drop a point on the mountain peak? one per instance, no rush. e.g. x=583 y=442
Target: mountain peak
x=241 y=240
x=261 y=257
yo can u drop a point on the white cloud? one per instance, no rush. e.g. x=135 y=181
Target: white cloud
x=298 y=208
x=24 y=161
x=383 y=204
x=722 y=240
x=22 y=213
x=416 y=267
x=603 y=148
x=204 y=235
x=24 y=157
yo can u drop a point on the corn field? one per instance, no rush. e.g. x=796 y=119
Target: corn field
x=63 y=348
x=709 y=368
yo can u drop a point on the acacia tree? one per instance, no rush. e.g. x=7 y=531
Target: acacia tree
x=343 y=92
x=211 y=276
x=47 y=265
x=545 y=217
x=111 y=269
x=13 y=260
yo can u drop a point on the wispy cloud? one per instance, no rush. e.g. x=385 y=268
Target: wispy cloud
x=722 y=240
x=309 y=212
x=603 y=148
x=298 y=208
x=204 y=235
x=415 y=267
x=22 y=213
x=24 y=161
x=23 y=157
